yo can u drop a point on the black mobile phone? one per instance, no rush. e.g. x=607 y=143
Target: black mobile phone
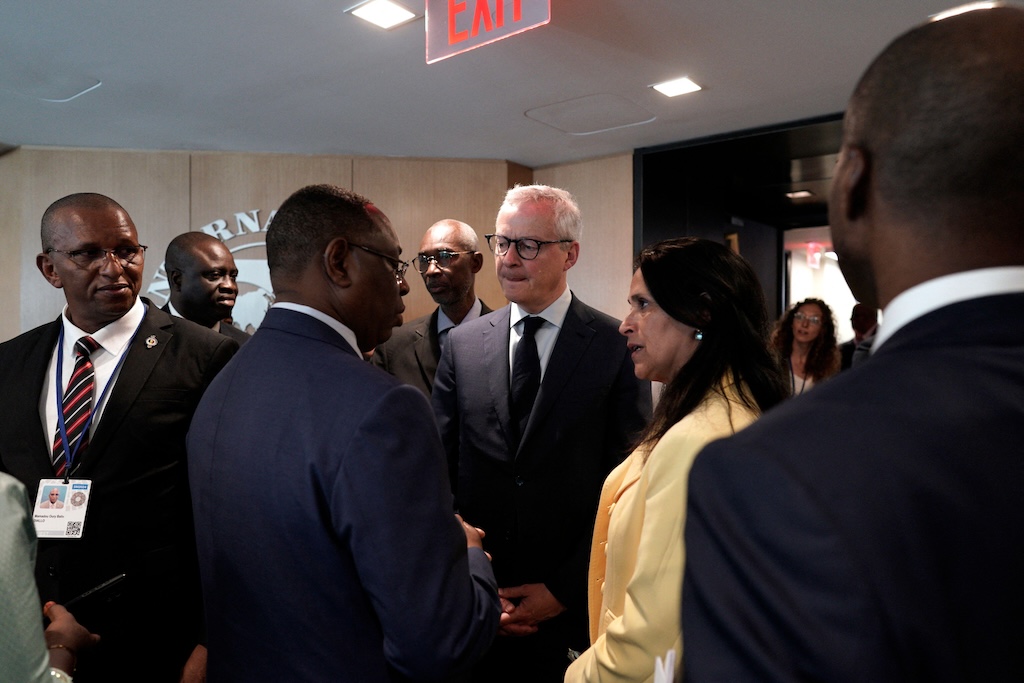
x=97 y=595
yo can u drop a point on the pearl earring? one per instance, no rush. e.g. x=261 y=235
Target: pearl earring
x=698 y=335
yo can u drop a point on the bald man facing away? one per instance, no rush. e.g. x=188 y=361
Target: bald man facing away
x=873 y=530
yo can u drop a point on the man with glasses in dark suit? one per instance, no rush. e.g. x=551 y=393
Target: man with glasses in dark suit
x=448 y=261
x=147 y=371
x=536 y=403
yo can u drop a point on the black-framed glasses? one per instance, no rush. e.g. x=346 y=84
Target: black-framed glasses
x=399 y=265
x=95 y=257
x=811 y=319
x=526 y=247
x=443 y=259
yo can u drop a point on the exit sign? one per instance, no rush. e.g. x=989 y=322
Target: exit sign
x=455 y=26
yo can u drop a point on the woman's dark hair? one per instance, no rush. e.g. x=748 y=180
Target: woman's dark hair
x=823 y=357
x=705 y=285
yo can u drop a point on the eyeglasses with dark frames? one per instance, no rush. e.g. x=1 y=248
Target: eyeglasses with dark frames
x=443 y=259
x=397 y=264
x=95 y=257
x=527 y=248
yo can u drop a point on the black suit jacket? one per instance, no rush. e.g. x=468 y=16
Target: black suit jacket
x=537 y=504
x=139 y=519
x=413 y=352
x=229 y=331
x=873 y=529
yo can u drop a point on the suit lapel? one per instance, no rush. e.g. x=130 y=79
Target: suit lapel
x=495 y=345
x=427 y=347
x=138 y=365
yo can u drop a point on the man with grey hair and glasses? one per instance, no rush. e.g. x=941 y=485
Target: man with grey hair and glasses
x=536 y=403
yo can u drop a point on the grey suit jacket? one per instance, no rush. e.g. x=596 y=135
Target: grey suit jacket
x=413 y=351
x=537 y=504
x=139 y=520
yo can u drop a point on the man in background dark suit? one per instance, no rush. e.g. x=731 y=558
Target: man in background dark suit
x=532 y=477
x=203 y=277
x=139 y=519
x=864 y=320
x=873 y=530
x=327 y=544
x=448 y=261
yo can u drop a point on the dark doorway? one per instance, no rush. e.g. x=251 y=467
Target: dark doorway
x=738 y=187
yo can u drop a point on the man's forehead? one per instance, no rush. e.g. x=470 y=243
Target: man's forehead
x=109 y=221
x=440 y=237
x=532 y=216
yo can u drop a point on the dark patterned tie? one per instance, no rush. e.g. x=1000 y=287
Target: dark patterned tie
x=525 y=375
x=77 y=405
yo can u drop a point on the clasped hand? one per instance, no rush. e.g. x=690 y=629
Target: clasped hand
x=524 y=607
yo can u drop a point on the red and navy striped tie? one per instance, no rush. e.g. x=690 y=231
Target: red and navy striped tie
x=77 y=405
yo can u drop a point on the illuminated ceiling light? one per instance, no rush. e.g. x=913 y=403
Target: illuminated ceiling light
x=970 y=7
x=679 y=86
x=800 y=194
x=383 y=13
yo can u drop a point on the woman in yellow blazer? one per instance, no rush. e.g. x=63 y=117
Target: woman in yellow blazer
x=697 y=323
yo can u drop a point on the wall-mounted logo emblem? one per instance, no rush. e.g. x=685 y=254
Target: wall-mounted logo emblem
x=246 y=240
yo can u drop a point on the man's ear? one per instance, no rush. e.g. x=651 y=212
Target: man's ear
x=337 y=258
x=853 y=178
x=478 y=261
x=45 y=265
x=174 y=280
x=571 y=254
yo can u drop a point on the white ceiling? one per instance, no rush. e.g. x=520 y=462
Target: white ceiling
x=301 y=76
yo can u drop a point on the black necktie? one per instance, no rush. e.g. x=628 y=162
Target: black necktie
x=77 y=404
x=525 y=375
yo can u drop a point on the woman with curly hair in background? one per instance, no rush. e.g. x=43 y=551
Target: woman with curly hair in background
x=805 y=338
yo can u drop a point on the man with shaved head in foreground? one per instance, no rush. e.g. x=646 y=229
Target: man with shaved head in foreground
x=873 y=530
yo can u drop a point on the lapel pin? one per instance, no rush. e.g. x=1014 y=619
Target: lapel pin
x=151 y=341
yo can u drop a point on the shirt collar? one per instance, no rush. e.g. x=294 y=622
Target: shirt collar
x=942 y=291
x=554 y=314
x=445 y=323
x=112 y=337
x=346 y=333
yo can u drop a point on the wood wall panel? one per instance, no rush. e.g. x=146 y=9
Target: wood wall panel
x=416 y=193
x=604 y=191
x=223 y=184
x=151 y=186
x=167 y=193
x=11 y=253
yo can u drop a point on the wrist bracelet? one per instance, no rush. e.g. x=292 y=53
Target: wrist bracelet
x=62 y=646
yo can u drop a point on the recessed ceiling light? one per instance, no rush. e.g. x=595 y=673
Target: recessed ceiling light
x=799 y=194
x=970 y=7
x=383 y=13
x=679 y=86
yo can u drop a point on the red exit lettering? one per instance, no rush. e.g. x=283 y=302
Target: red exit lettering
x=481 y=17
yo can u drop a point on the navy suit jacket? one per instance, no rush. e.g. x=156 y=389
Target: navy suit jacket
x=538 y=504
x=413 y=351
x=873 y=529
x=327 y=544
x=139 y=519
